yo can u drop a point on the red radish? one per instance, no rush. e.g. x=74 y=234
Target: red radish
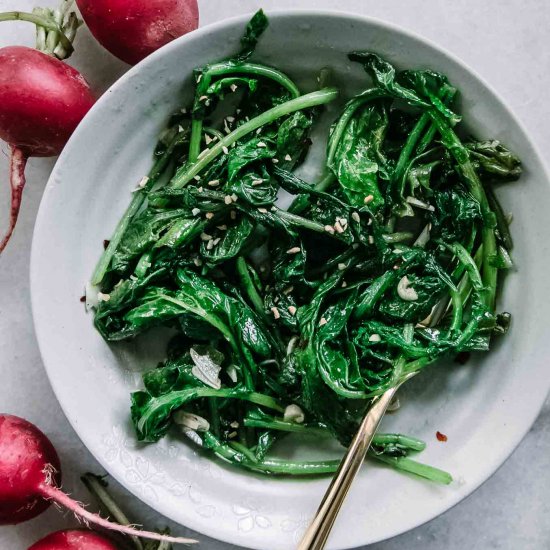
x=42 y=99
x=29 y=477
x=133 y=29
x=73 y=540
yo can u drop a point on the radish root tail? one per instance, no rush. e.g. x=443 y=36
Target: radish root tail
x=18 y=161
x=55 y=494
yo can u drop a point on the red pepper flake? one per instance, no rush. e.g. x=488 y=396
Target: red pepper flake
x=83 y=299
x=106 y=243
x=441 y=437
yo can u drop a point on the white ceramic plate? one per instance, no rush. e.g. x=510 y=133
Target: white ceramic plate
x=485 y=407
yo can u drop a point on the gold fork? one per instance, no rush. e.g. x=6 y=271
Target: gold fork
x=317 y=533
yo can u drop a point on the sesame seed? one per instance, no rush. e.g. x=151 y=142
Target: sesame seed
x=183 y=111
x=355 y=246
x=371 y=239
x=209 y=215
x=292 y=310
x=210 y=245
x=368 y=198
x=293 y=250
x=275 y=312
x=232 y=435
x=225 y=150
x=196 y=211
x=259 y=131
x=207 y=102
x=227 y=199
x=234 y=197
x=395 y=267
x=356 y=217
x=375 y=338
x=329 y=229
x=233 y=215
x=238 y=111
x=233 y=87
x=322 y=322
x=338 y=227
x=226 y=127
x=216 y=241
x=200 y=189
x=342 y=266
x=198 y=178
x=180 y=128
x=222 y=227
x=288 y=157
x=203 y=98
x=213 y=183
x=205 y=237
x=261 y=144
x=199 y=78
x=207 y=139
x=197 y=262
x=369 y=222
x=234 y=424
x=257 y=182
x=230 y=119
x=262 y=210
x=288 y=290
x=343 y=222
x=275 y=161
x=344 y=284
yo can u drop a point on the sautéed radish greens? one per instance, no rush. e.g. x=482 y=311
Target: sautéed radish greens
x=293 y=320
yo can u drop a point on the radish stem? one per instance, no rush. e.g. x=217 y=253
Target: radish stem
x=53 y=493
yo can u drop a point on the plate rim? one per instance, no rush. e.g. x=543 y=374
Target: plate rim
x=230 y=537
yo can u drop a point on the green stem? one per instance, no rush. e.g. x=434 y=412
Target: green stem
x=417 y=468
x=400 y=172
x=195 y=141
x=313 y=99
x=281 y=425
x=39 y=21
x=137 y=201
x=288 y=467
x=468 y=173
x=222 y=69
x=248 y=285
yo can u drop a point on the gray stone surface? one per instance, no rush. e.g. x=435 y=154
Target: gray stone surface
x=506 y=41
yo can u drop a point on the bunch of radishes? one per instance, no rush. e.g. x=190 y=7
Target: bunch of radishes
x=42 y=99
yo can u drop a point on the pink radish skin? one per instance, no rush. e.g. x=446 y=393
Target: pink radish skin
x=133 y=29
x=73 y=540
x=29 y=477
x=42 y=101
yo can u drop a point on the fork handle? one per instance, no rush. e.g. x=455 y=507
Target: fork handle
x=317 y=533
